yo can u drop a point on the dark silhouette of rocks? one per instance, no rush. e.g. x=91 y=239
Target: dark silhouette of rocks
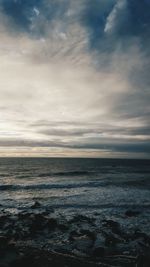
x=37 y=237
x=132 y=213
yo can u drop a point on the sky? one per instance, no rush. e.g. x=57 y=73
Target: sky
x=74 y=78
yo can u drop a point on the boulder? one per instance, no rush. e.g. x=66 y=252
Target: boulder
x=3 y=242
x=99 y=252
x=36 y=205
x=132 y=213
x=52 y=224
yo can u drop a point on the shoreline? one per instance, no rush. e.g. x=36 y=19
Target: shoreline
x=39 y=236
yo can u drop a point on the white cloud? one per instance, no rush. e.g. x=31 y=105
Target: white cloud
x=117 y=14
x=53 y=80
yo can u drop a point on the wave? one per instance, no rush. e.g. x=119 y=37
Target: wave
x=67 y=173
x=27 y=204
x=144 y=183
x=11 y=187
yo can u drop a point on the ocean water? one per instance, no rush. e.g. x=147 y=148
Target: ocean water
x=107 y=186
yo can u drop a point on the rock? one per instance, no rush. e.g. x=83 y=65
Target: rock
x=82 y=218
x=132 y=213
x=100 y=241
x=73 y=235
x=82 y=240
x=111 y=223
x=83 y=232
x=35 y=227
x=3 y=220
x=82 y=243
x=144 y=260
x=99 y=252
x=91 y=235
x=115 y=226
x=38 y=223
x=3 y=242
x=36 y=205
x=11 y=244
x=112 y=240
x=139 y=235
x=52 y=224
x=49 y=210
x=63 y=226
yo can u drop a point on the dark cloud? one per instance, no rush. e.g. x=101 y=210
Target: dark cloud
x=130 y=147
x=63 y=132
x=143 y=147
x=29 y=143
x=88 y=130
x=100 y=137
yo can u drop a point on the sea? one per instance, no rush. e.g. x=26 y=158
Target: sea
x=108 y=187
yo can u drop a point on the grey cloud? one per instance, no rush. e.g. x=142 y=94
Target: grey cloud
x=29 y=143
x=125 y=131
x=63 y=132
x=143 y=147
x=130 y=147
x=62 y=128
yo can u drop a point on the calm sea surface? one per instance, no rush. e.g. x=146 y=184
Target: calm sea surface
x=109 y=186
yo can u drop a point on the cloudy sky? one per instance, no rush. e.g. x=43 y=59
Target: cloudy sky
x=74 y=78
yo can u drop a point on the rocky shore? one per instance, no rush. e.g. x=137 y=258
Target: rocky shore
x=39 y=237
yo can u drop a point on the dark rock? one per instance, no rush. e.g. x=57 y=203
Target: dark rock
x=63 y=227
x=11 y=244
x=114 y=226
x=36 y=205
x=144 y=260
x=38 y=223
x=3 y=242
x=82 y=218
x=112 y=240
x=23 y=215
x=49 y=209
x=35 y=227
x=3 y=220
x=111 y=224
x=24 y=261
x=73 y=235
x=82 y=240
x=139 y=235
x=90 y=234
x=52 y=224
x=83 y=244
x=99 y=252
x=100 y=241
x=132 y=213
